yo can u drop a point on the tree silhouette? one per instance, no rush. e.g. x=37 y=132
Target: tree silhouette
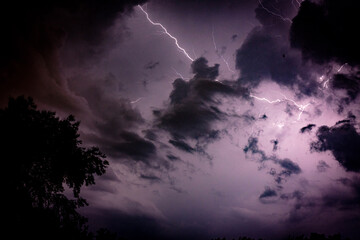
x=41 y=156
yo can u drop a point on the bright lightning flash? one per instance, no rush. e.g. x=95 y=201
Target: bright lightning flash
x=299 y=106
x=167 y=33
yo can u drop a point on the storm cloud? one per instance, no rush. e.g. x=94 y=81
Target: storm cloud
x=193 y=109
x=287 y=167
x=37 y=33
x=307 y=128
x=343 y=141
x=320 y=31
x=266 y=54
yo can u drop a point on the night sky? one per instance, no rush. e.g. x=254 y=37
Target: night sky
x=246 y=124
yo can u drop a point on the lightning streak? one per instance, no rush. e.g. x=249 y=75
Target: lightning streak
x=326 y=83
x=219 y=54
x=299 y=2
x=179 y=74
x=265 y=99
x=299 y=106
x=275 y=14
x=341 y=67
x=135 y=101
x=167 y=33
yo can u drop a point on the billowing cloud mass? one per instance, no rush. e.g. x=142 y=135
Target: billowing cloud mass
x=349 y=83
x=35 y=33
x=343 y=141
x=321 y=31
x=193 y=109
x=266 y=53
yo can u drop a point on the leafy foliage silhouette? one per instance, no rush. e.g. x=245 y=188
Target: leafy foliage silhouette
x=42 y=159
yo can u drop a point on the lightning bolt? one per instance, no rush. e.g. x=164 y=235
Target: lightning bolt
x=299 y=2
x=300 y=107
x=326 y=83
x=167 y=33
x=179 y=74
x=220 y=55
x=275 y=14
x=135 y=101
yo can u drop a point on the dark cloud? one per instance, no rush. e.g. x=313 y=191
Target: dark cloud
x=268 y=192
x=193 y=109
x=115 y=125
x=192 y=7
x=324 y=31
x=114 y=121
x=322 y=166
x=266 y=53
x=151 y=65
x=298 y=195
x=234 y=37
x=349 y=83
x=345 y=197
x=180 y=144
x=343 y=141
x=151 y=135
x=248 y=117
x=275 y=143
x=287 y=169
x=151 y=178
x=181 y=90
x=36 y=33
x=307 y=128
x=253 y=148
x=345 y=201
x=201 y=69
x=190 y=120
x=133 y=146
x=264 y=117
x=172 y=157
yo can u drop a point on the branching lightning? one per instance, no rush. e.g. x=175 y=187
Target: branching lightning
x=219 y=54
x=275 y=14
x=167 y=33
x=265 y=99
x=300 y=107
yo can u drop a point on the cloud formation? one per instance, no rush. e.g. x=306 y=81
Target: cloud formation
x=321 y=31
x=343 y=141
x=266 y=53
x=307 y=128
x=37 y=33
x=268 y=192
x=287 y=167
x=193 y=110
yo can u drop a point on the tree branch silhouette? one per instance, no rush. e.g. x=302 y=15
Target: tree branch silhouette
x=41 y=156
